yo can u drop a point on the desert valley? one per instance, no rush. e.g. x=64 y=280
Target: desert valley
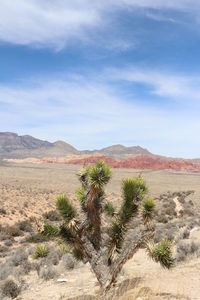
x=33 y=173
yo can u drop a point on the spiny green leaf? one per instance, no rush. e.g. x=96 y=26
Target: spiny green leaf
x=67 y=234
x=109 y=209
x=83 y=175
x=65 y=208
x=148 y=209
x=134 y=189
x=50 y=230
x=81 y=195
x=78 y=254
x=162 y=253
x=99 y=174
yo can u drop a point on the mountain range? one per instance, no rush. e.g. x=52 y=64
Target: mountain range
x=13 y=145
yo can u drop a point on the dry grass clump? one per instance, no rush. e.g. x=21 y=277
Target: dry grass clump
x=40 y=251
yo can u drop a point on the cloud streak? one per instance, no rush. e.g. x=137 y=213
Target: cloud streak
x=178 y=87
x=92 y=113
x=56 y=23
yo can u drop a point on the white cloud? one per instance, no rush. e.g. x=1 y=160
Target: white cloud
x=178 y=87
x=41 y=23
x=54 y=23
x=90 y=114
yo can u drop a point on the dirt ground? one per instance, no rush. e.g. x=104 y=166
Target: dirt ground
x=30 y=189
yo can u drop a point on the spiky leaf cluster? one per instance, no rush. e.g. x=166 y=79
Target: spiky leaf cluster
x=109 y=209
x=50 y=230
x=133 y=192
x=99 y=175
x=65 y=208
x=148 y=209
x=161 y=253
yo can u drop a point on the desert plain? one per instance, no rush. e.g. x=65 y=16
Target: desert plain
x=27 y=193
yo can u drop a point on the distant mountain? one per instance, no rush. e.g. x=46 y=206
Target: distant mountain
x=120 y=150
x=13 y=145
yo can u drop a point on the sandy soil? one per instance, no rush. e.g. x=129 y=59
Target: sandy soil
x=30 y=189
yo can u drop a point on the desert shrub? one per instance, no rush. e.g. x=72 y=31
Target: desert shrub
x=185 y=249
x=36 y=238
x=13 y=231
x=3 y=249
x=68 y=261
x=10 y=288
x=51 y=215
x=23 y=269
x=40 y=251
x=2 y=211
x=25 y=225
x=186 y=234
x=64 y=248
x=53 y=257
x=6 y=269
x=19 y=257
x=162 y=219
x=8 y=243
x=47 y=272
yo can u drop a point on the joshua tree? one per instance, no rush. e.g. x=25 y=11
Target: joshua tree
x=107 y=248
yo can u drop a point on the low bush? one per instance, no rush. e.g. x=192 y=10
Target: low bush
x=25 y=225
x=10 y=288
x=19 y=257
x=185 y=249
x=8 y=243
x=2 y=211
x=36 y=238
x=47 y=272
x=68 y=261
x=51 y=215
x=6 y=269
x=13 y=231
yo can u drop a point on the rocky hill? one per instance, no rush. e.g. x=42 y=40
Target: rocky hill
x=141 y=161
x=119 y=151
x=13 y=145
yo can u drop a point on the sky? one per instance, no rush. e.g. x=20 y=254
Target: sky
x=100 y=72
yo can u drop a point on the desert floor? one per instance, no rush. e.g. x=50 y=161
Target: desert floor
x=29 y=190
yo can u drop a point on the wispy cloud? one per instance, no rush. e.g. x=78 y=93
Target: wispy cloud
x=92 y=113
x=55 y=23
x=184 y=87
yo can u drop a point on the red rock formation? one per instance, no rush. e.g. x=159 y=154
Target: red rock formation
x=151 y=162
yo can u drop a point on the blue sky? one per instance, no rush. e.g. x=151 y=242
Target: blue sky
x=96 y=73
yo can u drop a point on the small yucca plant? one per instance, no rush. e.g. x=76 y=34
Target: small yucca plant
x=85 y=237
x=40 y=251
